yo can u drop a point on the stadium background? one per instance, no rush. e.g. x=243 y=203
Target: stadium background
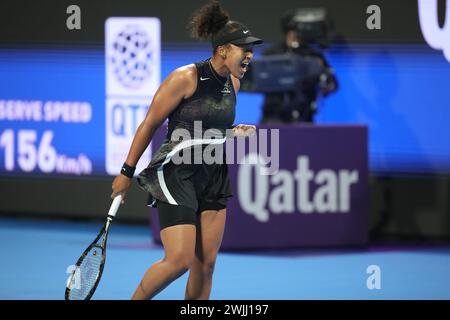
x=390 y=80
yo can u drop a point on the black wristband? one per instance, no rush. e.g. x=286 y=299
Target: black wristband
x=127 y=170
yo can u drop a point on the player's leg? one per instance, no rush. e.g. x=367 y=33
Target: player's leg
x=210 y=229
x=178 y=238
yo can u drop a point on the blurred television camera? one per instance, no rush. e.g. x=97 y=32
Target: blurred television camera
x=292 y=74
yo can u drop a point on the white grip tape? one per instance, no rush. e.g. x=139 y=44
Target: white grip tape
x=115 y=205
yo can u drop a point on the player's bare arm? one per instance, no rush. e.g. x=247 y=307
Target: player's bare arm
x=179 y=85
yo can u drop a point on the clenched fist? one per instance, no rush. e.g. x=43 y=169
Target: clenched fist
x=244 y=130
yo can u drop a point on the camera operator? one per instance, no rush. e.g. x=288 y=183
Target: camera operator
x=298 y=106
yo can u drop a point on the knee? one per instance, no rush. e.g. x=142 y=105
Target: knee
x=208 y=265
x=181 y=261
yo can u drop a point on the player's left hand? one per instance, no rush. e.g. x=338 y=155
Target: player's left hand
x=244 y=130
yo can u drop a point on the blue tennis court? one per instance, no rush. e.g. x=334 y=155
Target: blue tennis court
x=40 y=252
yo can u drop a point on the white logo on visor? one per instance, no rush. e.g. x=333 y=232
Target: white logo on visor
x=245 y=32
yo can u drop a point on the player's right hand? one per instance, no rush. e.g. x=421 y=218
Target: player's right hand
x=120 y=185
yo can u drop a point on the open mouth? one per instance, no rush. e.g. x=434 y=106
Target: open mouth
x=244 y=65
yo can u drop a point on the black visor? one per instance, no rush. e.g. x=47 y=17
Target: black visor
x=239 y=37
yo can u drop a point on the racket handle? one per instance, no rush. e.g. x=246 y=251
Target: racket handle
x=115 y=206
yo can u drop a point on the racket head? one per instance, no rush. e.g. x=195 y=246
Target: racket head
x=88 y=271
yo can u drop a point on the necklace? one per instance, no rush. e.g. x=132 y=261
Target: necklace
x=214 y=73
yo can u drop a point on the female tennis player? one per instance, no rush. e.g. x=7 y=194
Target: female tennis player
x=191 y=198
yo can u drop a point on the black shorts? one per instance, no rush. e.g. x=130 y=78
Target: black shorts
x=172 y=215
x=186 y=184
x=181 y=192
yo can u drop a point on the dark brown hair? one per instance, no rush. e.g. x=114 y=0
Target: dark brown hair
x=208 y=20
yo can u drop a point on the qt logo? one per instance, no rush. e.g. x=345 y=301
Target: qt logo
x=438 y=38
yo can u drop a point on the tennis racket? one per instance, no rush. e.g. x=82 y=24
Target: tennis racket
x=88 y=270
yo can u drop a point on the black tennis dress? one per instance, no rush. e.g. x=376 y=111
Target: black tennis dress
x=192 y=184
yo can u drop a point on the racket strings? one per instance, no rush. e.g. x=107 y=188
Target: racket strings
x=85 y=276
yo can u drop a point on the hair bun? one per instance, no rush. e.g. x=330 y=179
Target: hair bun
x=207 y=20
